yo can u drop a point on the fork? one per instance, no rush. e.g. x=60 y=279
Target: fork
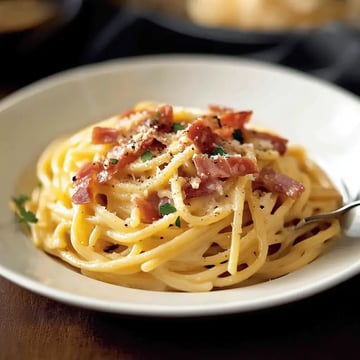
x=350 y=223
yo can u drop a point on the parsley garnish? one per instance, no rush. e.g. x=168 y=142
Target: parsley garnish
x=23 y=215
x=237 y=135
x=113 y=161
x=177 y=222
x=146 y=156
x=21 y=200
x=219 y=151
x=166 y=209
x=178 y=126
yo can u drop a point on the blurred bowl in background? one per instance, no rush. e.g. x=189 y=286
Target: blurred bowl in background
x=19 y=15
x=25 y=24
x=245 y=21
x=27 y=30
x=275 y=15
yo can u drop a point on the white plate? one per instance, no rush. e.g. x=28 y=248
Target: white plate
x=323 y=118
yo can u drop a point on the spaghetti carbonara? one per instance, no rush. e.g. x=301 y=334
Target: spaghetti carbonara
x=174 y=199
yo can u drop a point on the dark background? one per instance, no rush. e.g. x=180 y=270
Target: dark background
x=100 y=31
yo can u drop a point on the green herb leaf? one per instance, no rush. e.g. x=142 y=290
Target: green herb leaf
x=177 y=127
x=113 y=161
x=23 y=215
x=27 y=216
x=19 y=202
x=166 y=209
x=237 y=135
x=219 y=151
x=177 y=222
x=146 y=156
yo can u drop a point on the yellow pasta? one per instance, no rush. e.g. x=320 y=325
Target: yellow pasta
x=173 y=199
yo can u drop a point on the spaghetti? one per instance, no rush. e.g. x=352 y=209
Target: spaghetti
x=175 y=199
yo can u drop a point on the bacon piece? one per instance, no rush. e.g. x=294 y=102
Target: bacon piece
x=112 y=168
x=236 y=120
x=206 y=187
x=202 y=136
x=219 y=109
x=279 y=183
x=149 y=208
x=278 y=143
x=117 y=158
x=82 y=193
x=95 y=172
x=83 y=183
x=224 y=166
x=86 y=170
x=230 y=117
x=231 y=120
x=224 y=121
x=128 y=113
x=126 y=154
x=225 y=132
x=166 y=118
x=161 y=119
x=121 y=154
x=103 y=135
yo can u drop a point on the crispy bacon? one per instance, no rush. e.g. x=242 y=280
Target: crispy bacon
x=225 y=132
x=101 y=172
x=202 y=136
x=206 y=187
x=82 y=192
x=223 y=166
x=103 y=135
x=207 y=131
x=278 y=143
x=123 y=158
x=236 y=120
x=86 y=170
x=128 y=113
x=149 y=208
x=161 y=119
x=219 y=109
x=166 y=118
x=85 y=177
x=279 y=183
x=230 y=120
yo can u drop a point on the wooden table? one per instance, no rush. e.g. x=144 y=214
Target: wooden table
x=324 y=326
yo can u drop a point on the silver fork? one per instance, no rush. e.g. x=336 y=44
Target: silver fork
x=350 y=223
